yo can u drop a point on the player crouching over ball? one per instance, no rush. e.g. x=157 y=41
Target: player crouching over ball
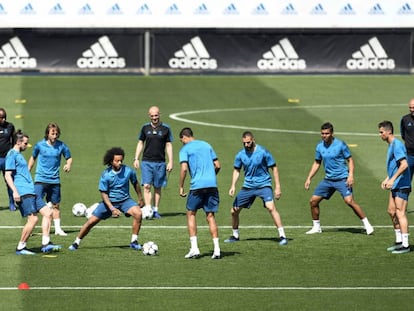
x=114 y=188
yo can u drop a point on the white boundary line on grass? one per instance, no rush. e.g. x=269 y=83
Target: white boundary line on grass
x=177 y=117
x=277 y=288
x=206 y=227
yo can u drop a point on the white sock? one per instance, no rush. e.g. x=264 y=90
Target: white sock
x=236 y=233
x=21 y=245
x=216 y=245
x=57 y=224
x=77 y=240
x=155 y=208
x=398 y=237
x=316 y=223
x=45 y=239
x=405 y=239
x=134 y=237
x=365 y=222
x=281 y=232
x=193 y=241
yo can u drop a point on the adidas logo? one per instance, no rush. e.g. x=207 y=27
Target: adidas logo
x=202 y=10
x=260 y=10
x=318 y=10
x=28 y=9
x=193 y=55
x=231 y=10
x=347 y=10
x=101 y=54
x=371 y=56
x=376 y=10
x=2 y=9
x=14 y=55
x=115 y=10
x=289 y=10
x=173 y=10
x=281 y=56
x=405 y=9
x=144 y=10
x=86 y=10
x=56 y=10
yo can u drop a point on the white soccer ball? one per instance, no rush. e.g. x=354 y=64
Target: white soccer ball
x=150 y=248
x=90 y=210
x=79 y=209
x=147 y=212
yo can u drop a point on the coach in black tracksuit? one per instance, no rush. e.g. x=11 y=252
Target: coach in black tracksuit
x=407 y=134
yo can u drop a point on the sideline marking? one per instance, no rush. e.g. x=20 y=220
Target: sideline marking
x=177 y=117
x=214 y=288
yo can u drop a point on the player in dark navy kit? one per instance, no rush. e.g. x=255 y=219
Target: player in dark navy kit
x=7 y=132
x=407 y=134
x=339 y=176
x=155 y=139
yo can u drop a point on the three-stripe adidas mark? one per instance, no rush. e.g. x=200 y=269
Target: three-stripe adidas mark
x=101 y=54
x=14 y=55
x=370 y=56
x=282 y=56
x=193 y=55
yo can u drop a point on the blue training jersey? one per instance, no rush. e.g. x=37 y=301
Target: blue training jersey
x=397 y=152
x=21 y=175
x=48 y=160
x=256 y=166
x=334 y=158
x=116 y=184
x=200 y=157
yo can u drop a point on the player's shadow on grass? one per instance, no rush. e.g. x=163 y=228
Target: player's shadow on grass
x=273 y=239
x=6 y=208
x=172 y=214
x=222 y=254
x=349 y=230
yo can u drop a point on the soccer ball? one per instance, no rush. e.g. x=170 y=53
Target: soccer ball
x=150 y=248
x=79 y=209
x=147 y=212
x=90 y=210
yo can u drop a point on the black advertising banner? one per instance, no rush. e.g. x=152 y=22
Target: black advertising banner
x=281 y=53
x=204 y=52
x=71 y=52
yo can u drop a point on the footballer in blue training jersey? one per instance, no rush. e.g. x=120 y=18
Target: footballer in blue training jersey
x=256 y=161
x=398 y=181
x=337 y=161
x=20 y=181
x=48 y=153
x=114 y=188
x=199 y=159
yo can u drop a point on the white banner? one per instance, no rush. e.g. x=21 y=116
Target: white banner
x=207 y=14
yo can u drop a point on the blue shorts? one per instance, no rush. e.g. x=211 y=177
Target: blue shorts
x=153 y=173
x=246 y=196
x=50 y=191
x=327 y=188
x=102 y=212
x=206 y=198
x=30 y=204
x=401 y=193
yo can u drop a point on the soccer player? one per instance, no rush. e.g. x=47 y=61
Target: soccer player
x=407 y=134
x=398 y=181
x=154 y=140
x=339 y=176
x=114 y=189
x=7 y=132
x=199 y=159
x=256 y=162
x=49 y=152
x=20 y=182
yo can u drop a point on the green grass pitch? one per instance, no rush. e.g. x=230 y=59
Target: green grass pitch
x=341 y=269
